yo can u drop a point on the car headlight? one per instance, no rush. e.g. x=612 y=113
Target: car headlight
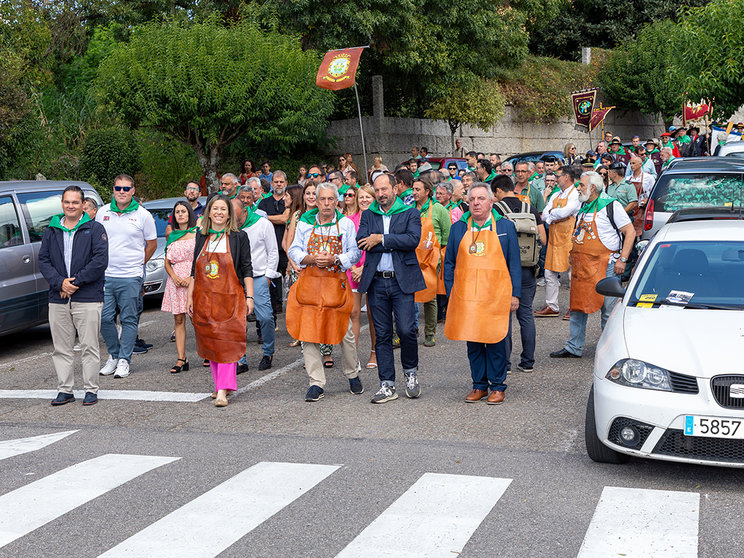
x=636 y=373
x=154 y=264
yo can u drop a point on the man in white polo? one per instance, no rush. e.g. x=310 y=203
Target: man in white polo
x=132 y=241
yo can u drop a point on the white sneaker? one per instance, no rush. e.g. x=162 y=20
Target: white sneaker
x=77 y=347
x=541 y=282
x=122 y=369
x=109 y=367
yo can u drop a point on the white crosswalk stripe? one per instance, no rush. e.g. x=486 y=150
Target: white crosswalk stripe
x=19 y=446
x=435 y=517
x=212 y=522
x=635 y=522
x=46 y=499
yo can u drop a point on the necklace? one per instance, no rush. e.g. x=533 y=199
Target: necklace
x=473 y=246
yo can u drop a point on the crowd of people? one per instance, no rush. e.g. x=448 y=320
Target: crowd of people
x=468 y=244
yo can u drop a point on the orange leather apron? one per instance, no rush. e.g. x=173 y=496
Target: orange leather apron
x=525 y=197
x=559 y=240
x=638 y=213
x=441 y=290
x=589 y=259
x=480 y=300
x=427 y=253
x=319 y=303
x=219 y=307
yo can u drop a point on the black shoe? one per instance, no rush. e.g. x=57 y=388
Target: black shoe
x=139 y=349
x=259 y=340
x=141 y=343
x=251 y=317
x=90 y=398
x=62 y=399
x=355 y=386
x=563 y=353
x=315 y=393
x=265 y=363
x=242 y=368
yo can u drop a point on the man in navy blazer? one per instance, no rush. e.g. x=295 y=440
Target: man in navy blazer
x=390 y=232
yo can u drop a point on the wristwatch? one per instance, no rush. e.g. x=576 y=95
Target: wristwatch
x=336 y=261
x=624 y=260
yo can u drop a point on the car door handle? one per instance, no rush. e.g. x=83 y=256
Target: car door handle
x=26 y=259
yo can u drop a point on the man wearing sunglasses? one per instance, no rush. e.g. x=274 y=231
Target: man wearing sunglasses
x=132 y=241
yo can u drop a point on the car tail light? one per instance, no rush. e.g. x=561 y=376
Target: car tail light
x=648 y=221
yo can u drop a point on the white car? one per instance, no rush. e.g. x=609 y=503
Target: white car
x=669 y=366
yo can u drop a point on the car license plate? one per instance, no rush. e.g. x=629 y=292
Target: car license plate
x=714 y=427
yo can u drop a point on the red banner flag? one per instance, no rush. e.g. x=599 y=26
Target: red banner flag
x=695 y=112
x=583 y=103
x=338 y=69
x=597 y=116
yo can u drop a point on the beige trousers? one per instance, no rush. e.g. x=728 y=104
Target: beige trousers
x=64 y=319
x=314 y=360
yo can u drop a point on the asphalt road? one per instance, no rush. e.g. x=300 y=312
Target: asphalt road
x=372 y=457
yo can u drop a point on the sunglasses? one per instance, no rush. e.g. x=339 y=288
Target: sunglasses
x=349 y=195
x=122 y=188
x=313 y=174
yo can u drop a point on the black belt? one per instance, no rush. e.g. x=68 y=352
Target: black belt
x=385 y=274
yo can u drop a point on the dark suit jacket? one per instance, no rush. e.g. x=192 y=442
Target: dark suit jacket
x=401 y=242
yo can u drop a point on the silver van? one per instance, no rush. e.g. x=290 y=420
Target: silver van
x=26 y=209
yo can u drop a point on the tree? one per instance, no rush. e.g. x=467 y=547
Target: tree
x=481 y=105
x=207 y=85
x=635 y=79
x=710 y=55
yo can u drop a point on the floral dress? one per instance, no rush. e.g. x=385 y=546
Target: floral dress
x=180 y=254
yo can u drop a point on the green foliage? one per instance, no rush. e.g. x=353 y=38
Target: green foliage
x=167 y=165
x=107 y=153
x=635 y=79
x=207 y=85
x=13 y=99
x=711 y=55
x=540 y=88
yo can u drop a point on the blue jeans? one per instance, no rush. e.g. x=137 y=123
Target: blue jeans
x=387 y=301
x=488 y=365
x=122 y=293
x=264 y=316
x=577 y=324
x=526 y=320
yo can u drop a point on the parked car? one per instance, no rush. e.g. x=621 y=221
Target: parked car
x=694 y=182
x=668 y=373
x=26 y=209
x=155 y=274
x=532 y=156
x=731 y=149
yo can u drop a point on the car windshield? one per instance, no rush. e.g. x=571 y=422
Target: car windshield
x=161 y=217
x=696 y=274
x=674 y=192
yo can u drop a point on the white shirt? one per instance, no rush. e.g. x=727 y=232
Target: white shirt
x=217 y=244
x=572 y=206
x=647 y=182
x=386 y=260
x=606 y=232
x=127 y=234
x=67 y=240
x=350 y=253
x=264 y=251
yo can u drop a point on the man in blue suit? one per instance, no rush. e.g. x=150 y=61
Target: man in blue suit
x=390 y=232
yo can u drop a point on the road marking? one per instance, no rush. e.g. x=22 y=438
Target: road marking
x=19 y=446
x=270 y=376
x=147 y=323
x=635 y=522
x=46 y=499
x=124 y=394
x=16 y=362
x=209 y=524
x=434 y=518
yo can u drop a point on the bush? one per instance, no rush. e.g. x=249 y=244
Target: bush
x=107 y=153
x=167 y=165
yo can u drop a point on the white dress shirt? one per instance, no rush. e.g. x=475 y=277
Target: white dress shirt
x=550 y=215
x=346 y=230
x=264 y=250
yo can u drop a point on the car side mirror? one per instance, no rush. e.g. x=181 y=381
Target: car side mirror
x=641 y=246
x=611 y=286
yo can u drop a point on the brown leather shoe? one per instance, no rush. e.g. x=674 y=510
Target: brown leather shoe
x=546 y=312
x=476 y=395
x=567 y=316
x=495 y=398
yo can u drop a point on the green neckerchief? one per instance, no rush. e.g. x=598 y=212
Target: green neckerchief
x=343 y=189
x=177 y=234
x=491 y=176
x=533 y=177
x=133 y=206
x=309 y=217
x=235 y=195
x=250 y=218
x=425 y=207
x=265 y=195
x=684 y=139
x=654 y=151
x=495 y=216
x=602 y=201
x=620 y=151
x=407 y=192
x=218 y=233
x=397 y=207
x=57 y=222
x=452 y=205
x=416 y=174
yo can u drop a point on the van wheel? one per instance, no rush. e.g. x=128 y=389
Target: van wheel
x=596 y=450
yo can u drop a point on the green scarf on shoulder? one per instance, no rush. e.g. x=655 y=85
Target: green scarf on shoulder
x=250 y=218
x=178 y=234
x=133 y=206
x=495 y=216
x=309 y=217
x=397 y=207
x=56 y=222
x=602 y=201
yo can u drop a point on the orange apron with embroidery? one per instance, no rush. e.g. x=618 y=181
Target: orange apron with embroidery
x=427 y=253
x=589 y=259
x=319 y=303
x=219 y=307
x=559 y=241
x=480 y=300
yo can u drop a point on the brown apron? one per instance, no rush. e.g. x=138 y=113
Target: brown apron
x=589 y=259
x=525 y=197
x=480 y=300
x=441 y=290
x=319 y=303
x=559 y=241
x=638 y=213
x=219 y=307
x=427 y=253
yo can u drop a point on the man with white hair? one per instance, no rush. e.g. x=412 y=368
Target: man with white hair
x=246 y=196
x=324 y=247
x=258 y=194
x=602 y=241
x=667 y=156
x=229 y=184
x=508 y=169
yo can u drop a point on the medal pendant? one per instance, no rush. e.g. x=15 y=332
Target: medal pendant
x=473 y=249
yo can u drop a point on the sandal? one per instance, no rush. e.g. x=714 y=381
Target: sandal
x=206 y=363
x=371 y=364
x=328 y=363
x=176 y=369
x=295 y=343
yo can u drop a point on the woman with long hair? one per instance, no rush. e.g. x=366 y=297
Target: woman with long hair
x=247 y=170
x=220 y=294
x=302 y=175
x=569 y=154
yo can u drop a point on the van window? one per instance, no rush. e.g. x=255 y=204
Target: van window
x=38 y=209
x=681 y=191
x=10 y=226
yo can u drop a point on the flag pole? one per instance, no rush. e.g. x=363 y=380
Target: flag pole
x=361 y=130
